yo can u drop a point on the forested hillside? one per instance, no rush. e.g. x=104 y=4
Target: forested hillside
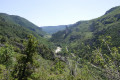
x=83 y=31
x=22 y=45
x=86 y=50
x=96 y=41
x=53 y=29
x=16 y=28
x=21 y=22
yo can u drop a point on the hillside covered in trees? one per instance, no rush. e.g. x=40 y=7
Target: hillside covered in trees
x=53 y=29
x=96 y=41
x=86 y=50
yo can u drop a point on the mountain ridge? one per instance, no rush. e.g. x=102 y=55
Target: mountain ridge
x=22 y=22
x=83 y=30
x=53 y=29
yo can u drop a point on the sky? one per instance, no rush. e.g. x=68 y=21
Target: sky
x=57 y=12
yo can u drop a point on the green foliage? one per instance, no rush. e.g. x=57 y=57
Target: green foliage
x=6 y=55
x=27 y=62
x=90 y=50
x=97 y=58
x=14 y=29
x=59 y=66
x=3 y=39
x=97 y=41
x=2 y=72
x=21 y=22
x=45 y=52
x=89 y=32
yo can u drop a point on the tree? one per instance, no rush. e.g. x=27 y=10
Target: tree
x=27 y=62
x=6 y=55
x=6 y=61
x=2 y=72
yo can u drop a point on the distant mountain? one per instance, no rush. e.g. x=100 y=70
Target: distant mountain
x=53 y=29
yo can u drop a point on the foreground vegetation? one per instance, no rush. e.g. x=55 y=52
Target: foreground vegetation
x=90 y=50
x=27 y=64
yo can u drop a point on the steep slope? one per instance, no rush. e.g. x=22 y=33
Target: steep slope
x=15 y=28
x=89 y=51
x=83 y=31
x=21 y=22
x=96 y=43
x=53 y=29
x=72 y=33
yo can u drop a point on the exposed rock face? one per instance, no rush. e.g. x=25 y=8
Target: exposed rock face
x=58 y=50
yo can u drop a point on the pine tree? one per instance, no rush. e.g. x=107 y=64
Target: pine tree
x=26 y=63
